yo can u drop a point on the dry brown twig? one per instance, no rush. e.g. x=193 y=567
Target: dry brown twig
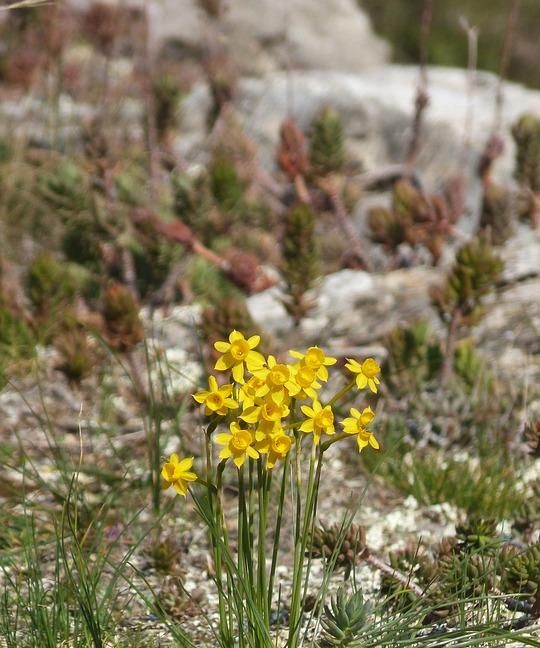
x=422 y=96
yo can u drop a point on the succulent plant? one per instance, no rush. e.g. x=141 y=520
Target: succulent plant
x=496 y=216
x=346 y=547
x=121 y=316
x=475 y=271
x=228 y=314
x=414 y=357
x=227 y=188
x=477 y=532
x=300 y=259
x=532 y=435
x=49 y=285
x=166 y=94
x=526 y=133
x=343 y=620
x=327 y=154
x=521 y=574
x=76 y=357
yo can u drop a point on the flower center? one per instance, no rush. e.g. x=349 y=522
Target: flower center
x=279 y=375
x=324 y=419
x=370 y=368
x=314 y=358
x=214 y=401
x=281 y=444
x=239 y=349
x=305 y=377
x=241 y=440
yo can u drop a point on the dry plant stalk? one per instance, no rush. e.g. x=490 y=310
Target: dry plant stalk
x=422 y=96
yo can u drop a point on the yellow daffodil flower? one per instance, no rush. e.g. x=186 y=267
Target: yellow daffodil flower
x=177 y=473
x=268 y=410
x=238 y=445
x=320 y=420
x=252 y=390
x=306 y=382
x=278 y=379
x=367 y=373
x=315 y=359
x=216 y=399
x=357 y=424
x=238 y=353
x=358 y=420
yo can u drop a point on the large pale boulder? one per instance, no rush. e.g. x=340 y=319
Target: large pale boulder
x=377 y=109
x=267 y=35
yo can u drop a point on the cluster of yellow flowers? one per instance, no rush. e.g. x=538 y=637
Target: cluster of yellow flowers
x=265 y=391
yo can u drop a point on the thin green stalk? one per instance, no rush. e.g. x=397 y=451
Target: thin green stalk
x=300 y=547
x=277 y=531
x=264 y=485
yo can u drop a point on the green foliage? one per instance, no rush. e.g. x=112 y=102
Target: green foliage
x=121 y=314
x=227 y=187
x=340 y=547
x=300 y=259
x=17 y=340
x=526 y=133
x=343 y=620
x=399 y=22
x=50 y=284
x=327 y=152
x=497 y=215
x=209 y=284
x=473 y=276
x=166 y=93
x=64 y=188
x=414 y=357
x=469 y=366
x=76 y=357
x=227 y=315
x=521 y=574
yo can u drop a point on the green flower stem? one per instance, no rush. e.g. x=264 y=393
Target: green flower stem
x=277 y=531
x=304 y=524
x=242 y=549
x=224 y=627
x=265 y=478
x=335 y=439
x=342 y=392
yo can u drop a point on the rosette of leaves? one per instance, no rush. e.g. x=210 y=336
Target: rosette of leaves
x=227 y=315
x=527 y=516
x=341 y=547
x=50 y=285
x=468 y=364
x=65 y=188
x=123 y=325
x=194 y=205
x=327 y=152
x=343 y=620
x=521 y=574
x=532 y=435
x=227 y=187
x=418 y=564
x=414 y=357
x=474 y=274
x=496 y=215
x=300 y=265
x=76 y=357
x=526 y=134
x=464 y=575
x=477 y=533
x=166 y=94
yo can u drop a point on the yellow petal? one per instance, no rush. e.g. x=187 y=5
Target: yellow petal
x=185 y=464
x=224 y=363
x=253 y=341
x=235 y=335
x=212 y=383
x=222 y=347
x=252 y=452
x=180 y=488
x=373 y=442
x=238 y=372
x=223 y=438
